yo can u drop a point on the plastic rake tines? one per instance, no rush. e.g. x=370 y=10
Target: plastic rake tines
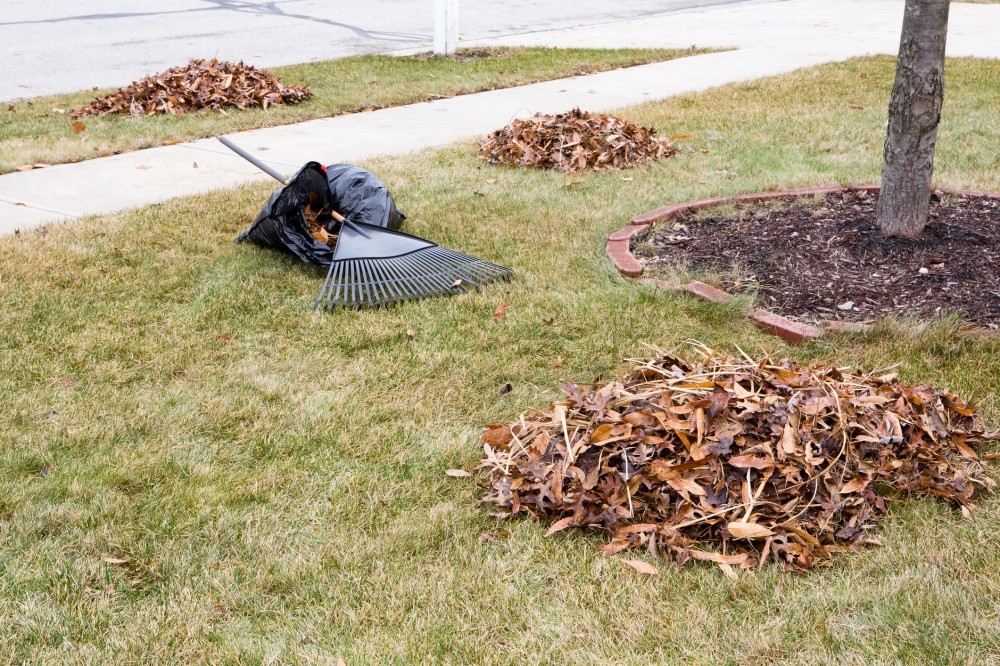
x=421 y=270
x=436 y=271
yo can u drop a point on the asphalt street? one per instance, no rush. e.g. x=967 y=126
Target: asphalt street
x=67 y=45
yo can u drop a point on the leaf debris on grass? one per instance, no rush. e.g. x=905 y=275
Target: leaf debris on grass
x=734 y=460
x=574 y=141
x=200 y=84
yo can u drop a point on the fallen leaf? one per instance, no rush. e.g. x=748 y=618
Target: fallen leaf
x=642 y=567
x=457 y=472
x=748 y=531
x=729 y=571
x=752 y=462
x=560 y=525
x=854 y=485
x=788 y=439
x=719 y=558
x=498 y=435
x=966 y=450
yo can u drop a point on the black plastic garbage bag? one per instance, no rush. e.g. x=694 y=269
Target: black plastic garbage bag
x=353 y=192
x=361 y=197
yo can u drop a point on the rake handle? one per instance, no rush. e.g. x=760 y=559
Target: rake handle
x=252 y=160
x=343 y=220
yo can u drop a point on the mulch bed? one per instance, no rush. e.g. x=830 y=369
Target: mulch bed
x=824 y=260
x=735 y=460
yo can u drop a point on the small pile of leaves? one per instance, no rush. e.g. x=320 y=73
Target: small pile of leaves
x=574 y=141
x=733 y=460
x=201 y=84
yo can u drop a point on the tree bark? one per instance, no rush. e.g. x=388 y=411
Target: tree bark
x=914 y=113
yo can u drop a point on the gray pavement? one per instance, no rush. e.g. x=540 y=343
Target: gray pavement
x=68 y=45
x=771 y=38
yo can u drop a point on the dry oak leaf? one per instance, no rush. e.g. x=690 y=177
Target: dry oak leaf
x=642 y=567
x=498 y=434
x=748 y=530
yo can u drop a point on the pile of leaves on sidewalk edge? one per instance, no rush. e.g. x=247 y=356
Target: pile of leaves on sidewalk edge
x=201 y=84
x=572 y=142
x=734 y=460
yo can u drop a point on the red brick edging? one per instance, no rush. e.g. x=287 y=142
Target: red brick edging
x=618 y=248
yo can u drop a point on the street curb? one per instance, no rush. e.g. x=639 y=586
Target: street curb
x=618 y=249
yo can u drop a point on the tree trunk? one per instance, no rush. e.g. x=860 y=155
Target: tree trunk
x=914 y=112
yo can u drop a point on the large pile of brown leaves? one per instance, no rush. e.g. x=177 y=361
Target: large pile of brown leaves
x=201 y=84
x=574 y=141
x=734 y=460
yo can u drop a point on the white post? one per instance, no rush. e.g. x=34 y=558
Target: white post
x=445 y=26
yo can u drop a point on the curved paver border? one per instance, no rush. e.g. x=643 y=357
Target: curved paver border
x=618 y=248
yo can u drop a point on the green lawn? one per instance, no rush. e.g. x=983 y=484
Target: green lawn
x=275 y=478
x=40 y=131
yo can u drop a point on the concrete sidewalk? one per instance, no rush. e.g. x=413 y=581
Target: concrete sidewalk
x=771 y=38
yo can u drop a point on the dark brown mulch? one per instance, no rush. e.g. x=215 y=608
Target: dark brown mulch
x=827 y=260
